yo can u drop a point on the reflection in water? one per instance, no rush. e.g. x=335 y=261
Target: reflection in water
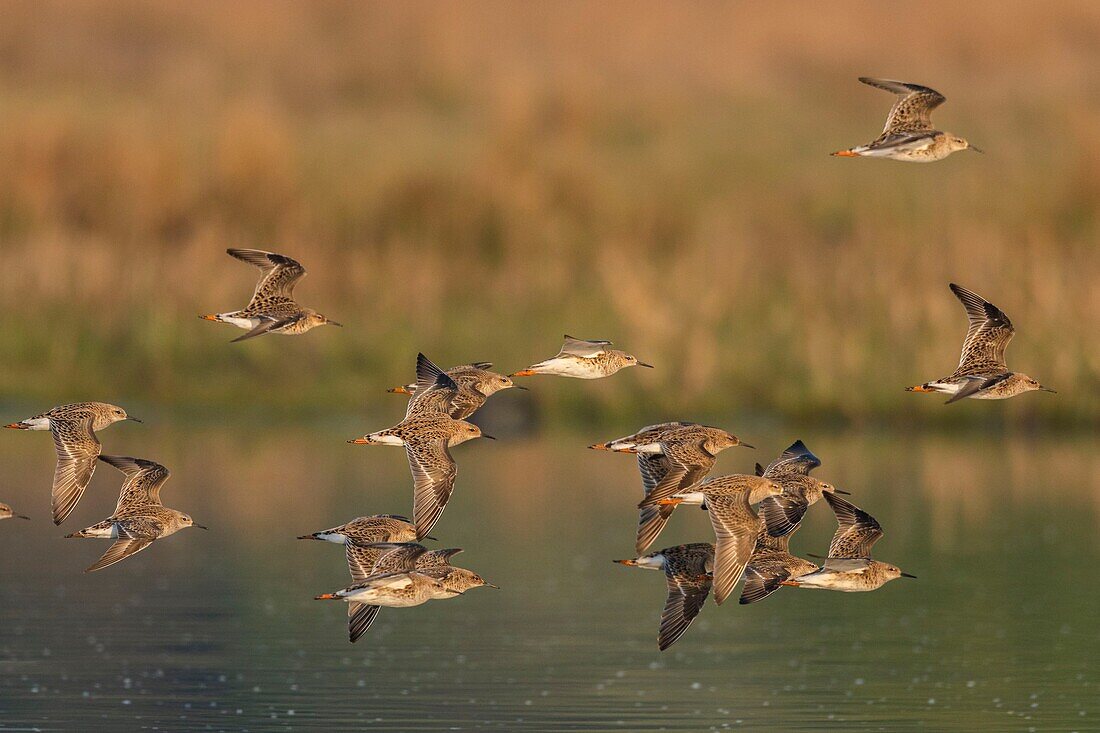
x=219 y=629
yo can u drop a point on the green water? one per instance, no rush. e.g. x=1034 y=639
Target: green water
x=218 y=630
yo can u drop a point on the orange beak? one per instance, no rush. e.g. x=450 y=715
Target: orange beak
x=523 y=373
x=209 y=318
x=597 y=446
x=919 y=388
x=671 y=501
x=791 y=583
x=846 y=154
x=360 y=441
x=399 y=390
x=14 y=426
x=626 y=562
x=326 y=597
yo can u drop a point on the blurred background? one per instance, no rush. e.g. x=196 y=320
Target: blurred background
x=472 y=180
x=475 y=179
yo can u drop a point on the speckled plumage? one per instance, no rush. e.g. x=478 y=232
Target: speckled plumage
x=139 y=517
x=908 y=134
x=474 y=384
x=672 y=457
x=427 y=442
x=687 y=570
x=982 y=373
x=736 y=526
x=272 y=308
x=583 y=359
x=791 y=470
x=73 y=427
x=849 y=567
x=771 y=563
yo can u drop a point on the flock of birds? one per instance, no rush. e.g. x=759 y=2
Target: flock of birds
x=389 y=566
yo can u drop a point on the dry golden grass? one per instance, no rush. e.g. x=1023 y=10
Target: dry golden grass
x=473 y=179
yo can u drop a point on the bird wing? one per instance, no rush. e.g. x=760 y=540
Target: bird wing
x=687 y=464
x=143 y=481
x=988 y=334
x=433 y=471
x=735 y=529
x=782 y=514
x=856 y=532
x=435 y=389
x=396 y=557
x=360 y=617
x=118 y=551
x=582 y=348
x=913 y=109
x=688 y=587
x=268 y=323
x=361 y=560
x=77 y=449
x=796 y=459
x=437 y=558
x=278 y=273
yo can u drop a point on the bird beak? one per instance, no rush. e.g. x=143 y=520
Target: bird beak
x=333 y=323
x=747 y=445
x=598 y=446
x=671 y=501
x=1048 y=389
x=398 y=390
x=135 y=420
x=647 y=366
x=525 y=389
x=494 y=587
x=359 y=441
x=841 y=491
x=793 y=583
x=20 y=516
x=976 y=150
x=199 y=526
x=907 y=575
x=209 y=318
x=488 y=436
x=625 y=562
x=433 y=539
x=325 y=597
x=523 y=373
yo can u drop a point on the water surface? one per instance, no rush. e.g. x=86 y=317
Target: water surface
x=218 y=630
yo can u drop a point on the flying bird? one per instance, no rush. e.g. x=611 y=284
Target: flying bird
x=909 y=134
x=272 y=308
x=583 y=360
x=687 y=570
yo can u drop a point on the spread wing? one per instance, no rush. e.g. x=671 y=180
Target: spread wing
x=433 y=471
x=278 y=273
x=360 y=617
x=119 y=551
x=796 y=459
x=361 y=560
x=856 y=532
x=435 y=390
x=988 y=334
x=688 y=587
x=77 y=449
x=735 y=529
x=687 y=464
x=782 y=514
x=437 y=558
x=652 y=517
x=143 y=482
x=268 y=323
x=396 y=557
x=582 y=348
x=912 y=111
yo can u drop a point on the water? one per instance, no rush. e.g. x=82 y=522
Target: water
x=218 y=630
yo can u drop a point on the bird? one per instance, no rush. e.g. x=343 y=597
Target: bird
x=437 y=392
x=365 y=530
x=770 y=564
x=781 y=514
x=672 y=457
x=272 y=308
x=687 y=571
x=427 y=440
x=475 y=383
x=73 y=427
x=583 y=360
x=404 y=575
x=6 y=512
x=736 y=526
x=849 y=567
x=982 y=373
x=139 y=517
x=909 y=134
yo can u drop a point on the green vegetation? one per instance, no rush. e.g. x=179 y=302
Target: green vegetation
x=473 y=181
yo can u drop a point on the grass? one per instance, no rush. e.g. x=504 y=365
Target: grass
x=474 y=180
